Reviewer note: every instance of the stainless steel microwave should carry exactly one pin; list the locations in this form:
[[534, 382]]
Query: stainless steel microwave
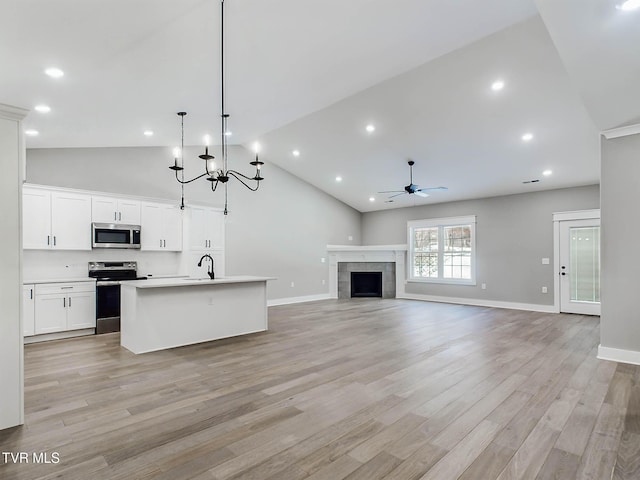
[[114, 235]]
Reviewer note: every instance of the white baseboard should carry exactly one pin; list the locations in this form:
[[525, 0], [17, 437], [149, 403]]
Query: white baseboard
[[59, 335], [619, 355], [532, 307], [303, 299]]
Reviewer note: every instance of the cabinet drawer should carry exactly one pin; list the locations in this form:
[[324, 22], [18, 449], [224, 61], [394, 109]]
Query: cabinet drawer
[[71, 287]]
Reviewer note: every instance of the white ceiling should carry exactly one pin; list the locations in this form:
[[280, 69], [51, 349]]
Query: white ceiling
[[310, 75]]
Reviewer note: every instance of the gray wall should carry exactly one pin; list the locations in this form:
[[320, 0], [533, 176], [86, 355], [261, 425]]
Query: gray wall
[[620, 177], [513, 234], [11, 371], [281, 230]]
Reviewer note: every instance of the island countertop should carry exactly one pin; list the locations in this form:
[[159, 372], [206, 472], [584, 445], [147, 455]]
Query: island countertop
[[187, 282]]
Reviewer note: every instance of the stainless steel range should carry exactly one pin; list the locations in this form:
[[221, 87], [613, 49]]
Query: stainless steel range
[[108, 276]]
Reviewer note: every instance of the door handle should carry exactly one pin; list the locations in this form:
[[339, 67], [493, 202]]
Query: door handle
[[563, 273]]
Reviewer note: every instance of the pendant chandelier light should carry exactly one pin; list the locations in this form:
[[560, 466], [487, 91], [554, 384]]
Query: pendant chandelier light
[[211, 173]]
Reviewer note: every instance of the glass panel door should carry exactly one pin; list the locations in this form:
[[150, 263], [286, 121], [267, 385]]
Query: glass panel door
[[580, 266], [584, 274]]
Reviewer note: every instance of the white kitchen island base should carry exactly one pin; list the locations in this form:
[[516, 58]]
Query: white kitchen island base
[[157, 314]]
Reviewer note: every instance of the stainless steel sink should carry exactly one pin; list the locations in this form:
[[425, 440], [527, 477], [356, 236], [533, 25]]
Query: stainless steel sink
[[201, 279]]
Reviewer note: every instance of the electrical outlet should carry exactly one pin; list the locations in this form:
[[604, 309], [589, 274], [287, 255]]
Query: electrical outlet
[[544, 290], [322, 260], [545, 261], [293, 284], [484, 286], [350, 238], [324, 281]]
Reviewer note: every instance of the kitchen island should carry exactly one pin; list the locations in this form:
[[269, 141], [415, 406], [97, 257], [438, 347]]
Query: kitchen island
[[162, 313]]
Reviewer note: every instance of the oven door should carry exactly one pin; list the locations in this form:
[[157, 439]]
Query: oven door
[[107, 307]]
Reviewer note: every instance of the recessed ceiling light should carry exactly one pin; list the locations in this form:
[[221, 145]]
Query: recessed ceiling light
[[371, 128], [629, 5], [54, 72], [338, 179], [527, 137], [497, 85], [43, 108], [32, 133], [372, 199], [546, 173], [296, 153], [148, 133]]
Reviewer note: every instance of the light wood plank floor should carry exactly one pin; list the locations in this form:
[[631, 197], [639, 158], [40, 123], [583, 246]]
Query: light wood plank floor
[[358, 389]]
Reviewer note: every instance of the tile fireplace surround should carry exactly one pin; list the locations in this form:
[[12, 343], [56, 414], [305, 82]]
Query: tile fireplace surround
[[355, 258]]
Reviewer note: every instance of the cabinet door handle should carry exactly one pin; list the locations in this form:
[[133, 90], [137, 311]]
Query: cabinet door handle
[[119, 215], [165, 243], [65, 288], [115, 216], [64, 302], [48, 239], [54, 240], [69, 301], [160, 243], [31, 294]]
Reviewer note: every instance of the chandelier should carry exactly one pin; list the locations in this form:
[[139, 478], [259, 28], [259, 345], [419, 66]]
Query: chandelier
[[223, 174]]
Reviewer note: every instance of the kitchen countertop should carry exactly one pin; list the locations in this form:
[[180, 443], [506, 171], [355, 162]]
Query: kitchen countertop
[[186, 281], [29, 281]]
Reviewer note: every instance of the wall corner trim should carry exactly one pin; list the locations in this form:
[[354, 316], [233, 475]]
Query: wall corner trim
[[621, 131], [303, 299], [476, 302], [619, 355]]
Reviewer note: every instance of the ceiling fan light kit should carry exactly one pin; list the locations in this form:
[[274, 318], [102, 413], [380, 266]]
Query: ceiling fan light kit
[[411, 189], [212, 174]]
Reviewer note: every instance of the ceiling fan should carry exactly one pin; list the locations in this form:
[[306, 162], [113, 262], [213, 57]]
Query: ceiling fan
[[412, 189]]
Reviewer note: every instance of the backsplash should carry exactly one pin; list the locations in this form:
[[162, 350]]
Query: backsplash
[[46, 264]]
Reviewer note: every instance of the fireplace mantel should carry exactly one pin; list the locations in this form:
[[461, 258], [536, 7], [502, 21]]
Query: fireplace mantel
[[368, 253]]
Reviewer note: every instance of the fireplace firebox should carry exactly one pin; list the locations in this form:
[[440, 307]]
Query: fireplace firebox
[[366, 284]]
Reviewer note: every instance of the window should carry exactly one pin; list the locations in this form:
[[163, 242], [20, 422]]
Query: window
[[442, 250]]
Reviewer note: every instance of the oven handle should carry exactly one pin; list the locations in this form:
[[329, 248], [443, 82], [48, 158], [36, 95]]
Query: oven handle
[[107, 283]]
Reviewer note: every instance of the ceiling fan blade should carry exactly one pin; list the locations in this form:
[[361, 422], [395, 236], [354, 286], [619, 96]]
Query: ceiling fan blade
[[421, 193], [397, 194], [392, 191], [432, 189]]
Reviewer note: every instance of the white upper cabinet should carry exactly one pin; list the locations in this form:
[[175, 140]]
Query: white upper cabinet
[[56, 220], [206, 229], [71, 221], [161, 227], [36, 218], [115, 210]]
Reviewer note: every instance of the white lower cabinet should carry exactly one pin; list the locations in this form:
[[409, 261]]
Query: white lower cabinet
[[64, 306], [28, 310]]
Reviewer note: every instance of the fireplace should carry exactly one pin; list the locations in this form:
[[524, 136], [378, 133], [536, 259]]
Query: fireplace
[[388, 259], [366, 284]]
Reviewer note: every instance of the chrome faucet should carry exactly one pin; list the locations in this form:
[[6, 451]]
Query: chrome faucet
[[210, 272]]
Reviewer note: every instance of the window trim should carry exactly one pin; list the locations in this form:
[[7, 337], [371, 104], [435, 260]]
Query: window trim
[[440, 223]]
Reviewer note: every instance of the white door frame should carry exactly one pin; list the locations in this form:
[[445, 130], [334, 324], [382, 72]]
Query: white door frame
[[557, 218]]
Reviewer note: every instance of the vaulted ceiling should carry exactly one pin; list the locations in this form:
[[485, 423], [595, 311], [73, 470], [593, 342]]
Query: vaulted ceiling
[[310, 76]]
